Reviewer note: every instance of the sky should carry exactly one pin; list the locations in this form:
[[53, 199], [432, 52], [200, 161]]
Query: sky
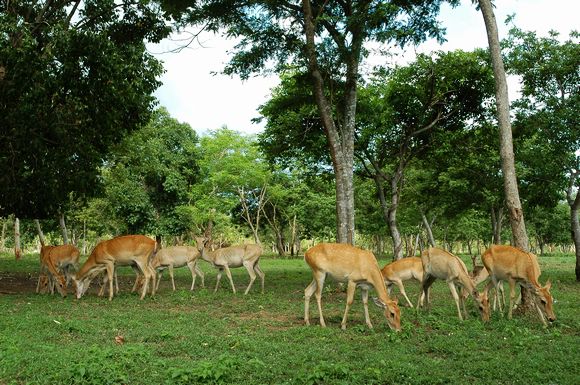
[[192, 93]]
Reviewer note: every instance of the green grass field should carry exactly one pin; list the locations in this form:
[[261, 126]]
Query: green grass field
[[196, 337]]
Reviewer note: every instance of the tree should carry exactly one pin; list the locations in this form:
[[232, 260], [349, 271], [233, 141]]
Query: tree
[[512, 196], [75, 78], [400, 109], [150, 174], [234, 179], [328, 39], [547, 114], [401, 112]]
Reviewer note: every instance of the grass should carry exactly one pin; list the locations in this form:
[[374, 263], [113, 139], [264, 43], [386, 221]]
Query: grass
[[196, 337]]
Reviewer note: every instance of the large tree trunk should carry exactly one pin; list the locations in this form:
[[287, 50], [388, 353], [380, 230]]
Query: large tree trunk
[[512, 195], [574, 202], [41, 237], [496, 224], [506, 142], [340, 138], [390, 215], [17, 250]]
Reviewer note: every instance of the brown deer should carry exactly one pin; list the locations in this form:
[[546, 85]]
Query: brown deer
[[129, 250], [441, 264], [357, 267], [402, 270], [234, 256], [508, 263]]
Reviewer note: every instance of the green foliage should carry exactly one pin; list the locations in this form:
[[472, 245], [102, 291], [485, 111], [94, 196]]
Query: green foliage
[[150, 174], [547, 133], [72, 85]]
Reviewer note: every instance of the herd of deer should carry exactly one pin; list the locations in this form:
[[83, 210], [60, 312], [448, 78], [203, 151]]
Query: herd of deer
[[146, 259], [345, 263]]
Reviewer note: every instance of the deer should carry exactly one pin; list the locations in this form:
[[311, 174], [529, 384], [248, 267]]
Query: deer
[[56, 263], [441, 264], [401, 270], [128, 250], [174, 257], [233, 256], [357, 267], [508, 263]]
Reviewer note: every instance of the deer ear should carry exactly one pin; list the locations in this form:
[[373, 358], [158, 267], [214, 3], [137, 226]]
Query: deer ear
[[548, 285], [379, 303]]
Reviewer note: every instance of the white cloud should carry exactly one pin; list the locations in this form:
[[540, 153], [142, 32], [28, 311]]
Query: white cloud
[[205, 101]]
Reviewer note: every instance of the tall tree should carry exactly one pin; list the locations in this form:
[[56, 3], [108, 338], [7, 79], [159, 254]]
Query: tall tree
[[512, 195], [547, 115], [150, 174], [234, 180], [328, 39], [75, 77], [402, 111]]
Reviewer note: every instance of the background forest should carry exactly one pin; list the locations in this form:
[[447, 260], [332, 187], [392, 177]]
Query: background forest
[[97, 156]]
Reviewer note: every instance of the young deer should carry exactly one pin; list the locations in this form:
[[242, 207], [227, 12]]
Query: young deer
[[514, 265], [357, 267], [402, 270], [174, 257], [441, 264], [234, 256]]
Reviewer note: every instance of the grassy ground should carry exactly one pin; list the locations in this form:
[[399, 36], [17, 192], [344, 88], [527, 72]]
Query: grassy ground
[[195, 337]]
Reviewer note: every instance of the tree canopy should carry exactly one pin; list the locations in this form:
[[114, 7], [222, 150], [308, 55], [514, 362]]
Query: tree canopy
[[75, 78]]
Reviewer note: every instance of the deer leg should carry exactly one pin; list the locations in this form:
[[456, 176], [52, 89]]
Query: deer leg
[[402, 290], [453, 290], [365, 299], [512, 283], [229, 275], [219, 276], [171, 275], [260, 274], [250, 267], [319, 285], [152, 273], [349, 300], [145, 270], [310, 289], [191, 266], [199, 272], [158, 280], [110, 271]]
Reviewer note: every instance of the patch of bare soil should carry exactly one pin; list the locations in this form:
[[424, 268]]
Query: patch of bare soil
[[17, 283]]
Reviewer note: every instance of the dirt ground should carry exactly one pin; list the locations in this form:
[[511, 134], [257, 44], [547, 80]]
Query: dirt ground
[[23, 283], [17, 283]]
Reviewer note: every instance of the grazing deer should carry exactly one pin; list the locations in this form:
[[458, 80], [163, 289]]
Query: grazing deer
[[402, 270], [56, 263], [507, 263], [234, 256], [174, 257], [128, 250], [357, 267], [441, 264], [480, 274]]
